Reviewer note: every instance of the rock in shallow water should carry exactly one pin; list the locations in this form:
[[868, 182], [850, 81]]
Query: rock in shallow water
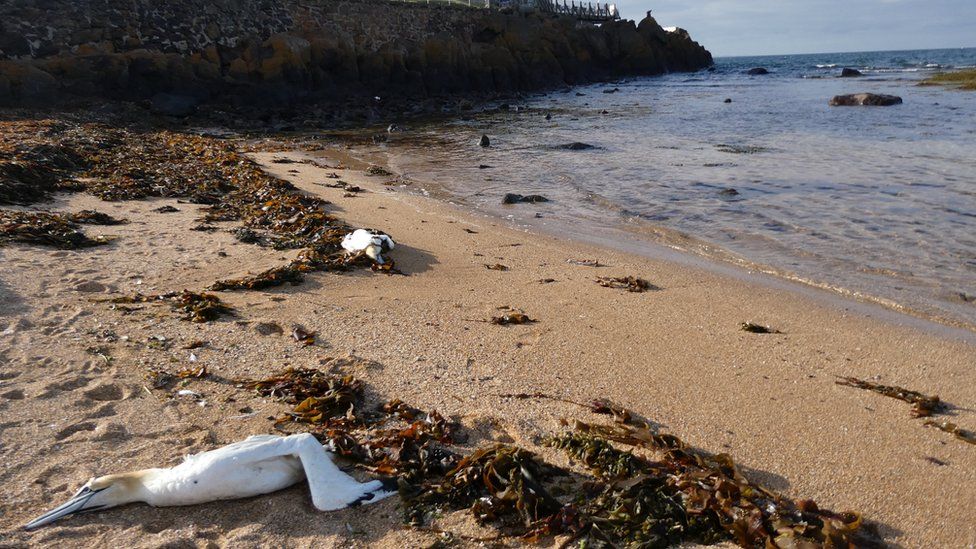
[[757, 71], [850, 73], [484, 142], [512, 198], [865, 99]]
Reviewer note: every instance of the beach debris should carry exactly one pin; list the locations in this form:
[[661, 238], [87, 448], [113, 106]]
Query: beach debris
[[378, 171], [194, 306], [511, 317], [194, 373], [45, 229], [585, 262], [303, 336], [496, 267], [166, 209], [953, 429], [922, 405], [513, 198], [318, 395], [754, 328], [629, 283], [274, 276], [371, 243], [93, 217]]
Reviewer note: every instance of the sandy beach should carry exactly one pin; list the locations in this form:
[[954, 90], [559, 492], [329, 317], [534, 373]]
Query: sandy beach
[[75, 402]]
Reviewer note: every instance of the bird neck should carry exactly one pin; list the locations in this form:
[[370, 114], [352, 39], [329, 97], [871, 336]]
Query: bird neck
[[135, 486]]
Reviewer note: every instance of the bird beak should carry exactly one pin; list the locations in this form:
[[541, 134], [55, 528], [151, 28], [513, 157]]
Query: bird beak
[[74, 505]]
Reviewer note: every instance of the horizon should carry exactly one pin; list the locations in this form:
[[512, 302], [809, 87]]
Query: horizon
[[839, 52], [747, 28]]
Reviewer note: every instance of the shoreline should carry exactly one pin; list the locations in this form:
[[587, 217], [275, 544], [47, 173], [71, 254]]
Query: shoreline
[[675, 355], [657, 242]]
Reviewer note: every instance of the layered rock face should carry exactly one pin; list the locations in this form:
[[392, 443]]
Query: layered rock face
[[268, 51]]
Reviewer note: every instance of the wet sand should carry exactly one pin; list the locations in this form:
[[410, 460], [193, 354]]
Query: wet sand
[[74, 400]]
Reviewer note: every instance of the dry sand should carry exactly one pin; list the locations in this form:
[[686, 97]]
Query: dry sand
[[73, 402]]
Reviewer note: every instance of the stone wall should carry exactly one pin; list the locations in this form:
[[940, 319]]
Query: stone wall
[[281, 50]]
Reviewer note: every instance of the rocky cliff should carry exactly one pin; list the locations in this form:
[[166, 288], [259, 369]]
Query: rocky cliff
[[247, 51]]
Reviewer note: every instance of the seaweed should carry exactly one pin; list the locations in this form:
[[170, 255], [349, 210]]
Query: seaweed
[[193, 306], [275, 276], [378, 171], [585, 262], [629, 283], [44, 229], [496, 267], [92, 217], [319, 396], [922, 405], [953, 429], [753, 328]]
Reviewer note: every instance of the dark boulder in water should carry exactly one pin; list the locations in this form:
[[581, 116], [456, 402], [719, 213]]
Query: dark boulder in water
[[484, 141], [728, 100], [850, 73], [512, 198], [757, 71], [576, 146], [728, 192], [865, 99]]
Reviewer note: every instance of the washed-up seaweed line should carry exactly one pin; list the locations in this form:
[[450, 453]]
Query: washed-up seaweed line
[[658, 493]]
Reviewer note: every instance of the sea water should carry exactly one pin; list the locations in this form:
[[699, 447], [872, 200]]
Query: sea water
[[878, 202]]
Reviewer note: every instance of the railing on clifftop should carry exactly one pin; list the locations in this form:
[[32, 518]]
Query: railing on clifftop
[[594, 12]]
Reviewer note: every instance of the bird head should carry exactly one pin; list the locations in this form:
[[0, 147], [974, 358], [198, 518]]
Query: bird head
[[98, 493]]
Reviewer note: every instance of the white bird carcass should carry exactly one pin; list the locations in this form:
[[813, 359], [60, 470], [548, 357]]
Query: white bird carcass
[[257, 465], [372, 243]]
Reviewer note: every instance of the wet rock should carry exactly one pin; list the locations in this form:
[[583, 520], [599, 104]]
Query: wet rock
[[576, 146], [512, 198], [757, 71], [728, 100], [865, 99], [484, 141], [728, 192], [168, 104], [548, 116], [850, 73], [611, 90]]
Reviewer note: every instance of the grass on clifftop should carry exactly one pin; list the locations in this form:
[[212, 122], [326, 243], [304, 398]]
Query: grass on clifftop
[[963, 80]]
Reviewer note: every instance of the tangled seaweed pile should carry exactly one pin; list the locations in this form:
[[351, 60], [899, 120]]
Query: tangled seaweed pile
[[51, 229], [114, 163], [658, 493], [629, 283]]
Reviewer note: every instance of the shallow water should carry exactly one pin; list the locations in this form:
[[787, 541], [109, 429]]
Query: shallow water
[[875, 202]]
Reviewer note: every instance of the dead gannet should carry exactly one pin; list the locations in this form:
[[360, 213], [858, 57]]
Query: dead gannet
[[257, 465], [369, 242]]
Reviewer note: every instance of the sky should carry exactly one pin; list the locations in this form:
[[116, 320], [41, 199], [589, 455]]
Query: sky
[[772, 27]]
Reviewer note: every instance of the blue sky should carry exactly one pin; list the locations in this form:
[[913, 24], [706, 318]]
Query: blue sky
[[756, 27]]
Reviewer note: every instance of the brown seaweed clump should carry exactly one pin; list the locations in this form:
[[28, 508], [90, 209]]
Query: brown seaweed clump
[[45, 229], [754, 328]]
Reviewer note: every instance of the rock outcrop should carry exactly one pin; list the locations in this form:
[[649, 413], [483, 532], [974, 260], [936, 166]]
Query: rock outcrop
[[850, 73], [865, 99], [757, 71], [278, 51]]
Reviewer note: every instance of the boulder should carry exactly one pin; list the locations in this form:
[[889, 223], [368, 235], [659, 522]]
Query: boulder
[[512, 198], [168, 104], [865, 99], [850, 73], [484, 141], [757, 71]]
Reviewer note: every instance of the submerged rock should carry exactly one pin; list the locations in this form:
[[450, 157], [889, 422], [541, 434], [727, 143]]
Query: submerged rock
[[575, 146], [757, 71], [512, 198], [865, 99], [850, 73]]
